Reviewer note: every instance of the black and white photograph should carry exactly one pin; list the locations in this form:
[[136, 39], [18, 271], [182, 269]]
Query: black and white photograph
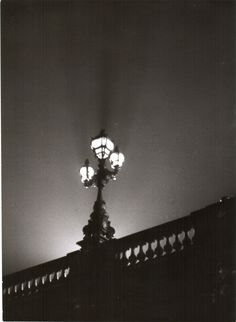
[[118, 122]]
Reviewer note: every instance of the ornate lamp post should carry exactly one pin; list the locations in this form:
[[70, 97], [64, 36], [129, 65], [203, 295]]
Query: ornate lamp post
[[98, 229]]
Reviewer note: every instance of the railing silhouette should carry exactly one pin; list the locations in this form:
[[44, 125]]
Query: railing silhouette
[[32, 280], [207, 235], [155, 243], [150, 244]]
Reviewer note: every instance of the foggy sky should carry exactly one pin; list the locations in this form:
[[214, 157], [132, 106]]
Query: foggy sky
[[157, 75]]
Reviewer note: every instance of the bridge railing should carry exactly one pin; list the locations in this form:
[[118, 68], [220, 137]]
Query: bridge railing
[[31, 280], [214, 224]]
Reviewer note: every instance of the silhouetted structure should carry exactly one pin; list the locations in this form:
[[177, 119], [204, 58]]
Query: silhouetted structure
[[98, 230], [183, 270]]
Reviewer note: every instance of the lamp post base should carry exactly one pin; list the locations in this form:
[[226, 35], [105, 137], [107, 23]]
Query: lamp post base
[[88, 244], [98, 230]]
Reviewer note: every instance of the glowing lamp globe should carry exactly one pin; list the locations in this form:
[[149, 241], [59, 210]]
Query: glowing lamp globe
[[86, 172], [102, 146], [117, 159]]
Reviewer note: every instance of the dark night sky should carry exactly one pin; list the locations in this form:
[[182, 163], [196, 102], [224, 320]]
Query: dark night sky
[[158, 75]]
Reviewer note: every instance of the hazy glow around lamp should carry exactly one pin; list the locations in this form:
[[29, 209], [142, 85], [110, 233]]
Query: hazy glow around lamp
[[117, 158], [102, 146], [86, 172]]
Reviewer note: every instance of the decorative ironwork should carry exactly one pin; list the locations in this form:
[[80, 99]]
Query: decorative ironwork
[[99, 227]]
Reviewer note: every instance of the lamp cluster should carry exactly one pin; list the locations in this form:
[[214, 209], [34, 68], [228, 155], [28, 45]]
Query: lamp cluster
[[103, 149], [99, 229]]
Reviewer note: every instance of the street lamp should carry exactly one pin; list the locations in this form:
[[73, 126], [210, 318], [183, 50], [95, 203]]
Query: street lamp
[[98, 229]]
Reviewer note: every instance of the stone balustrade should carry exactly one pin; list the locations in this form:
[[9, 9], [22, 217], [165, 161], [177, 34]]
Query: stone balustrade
[[156, 243], [69, 287], [32, 280]]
